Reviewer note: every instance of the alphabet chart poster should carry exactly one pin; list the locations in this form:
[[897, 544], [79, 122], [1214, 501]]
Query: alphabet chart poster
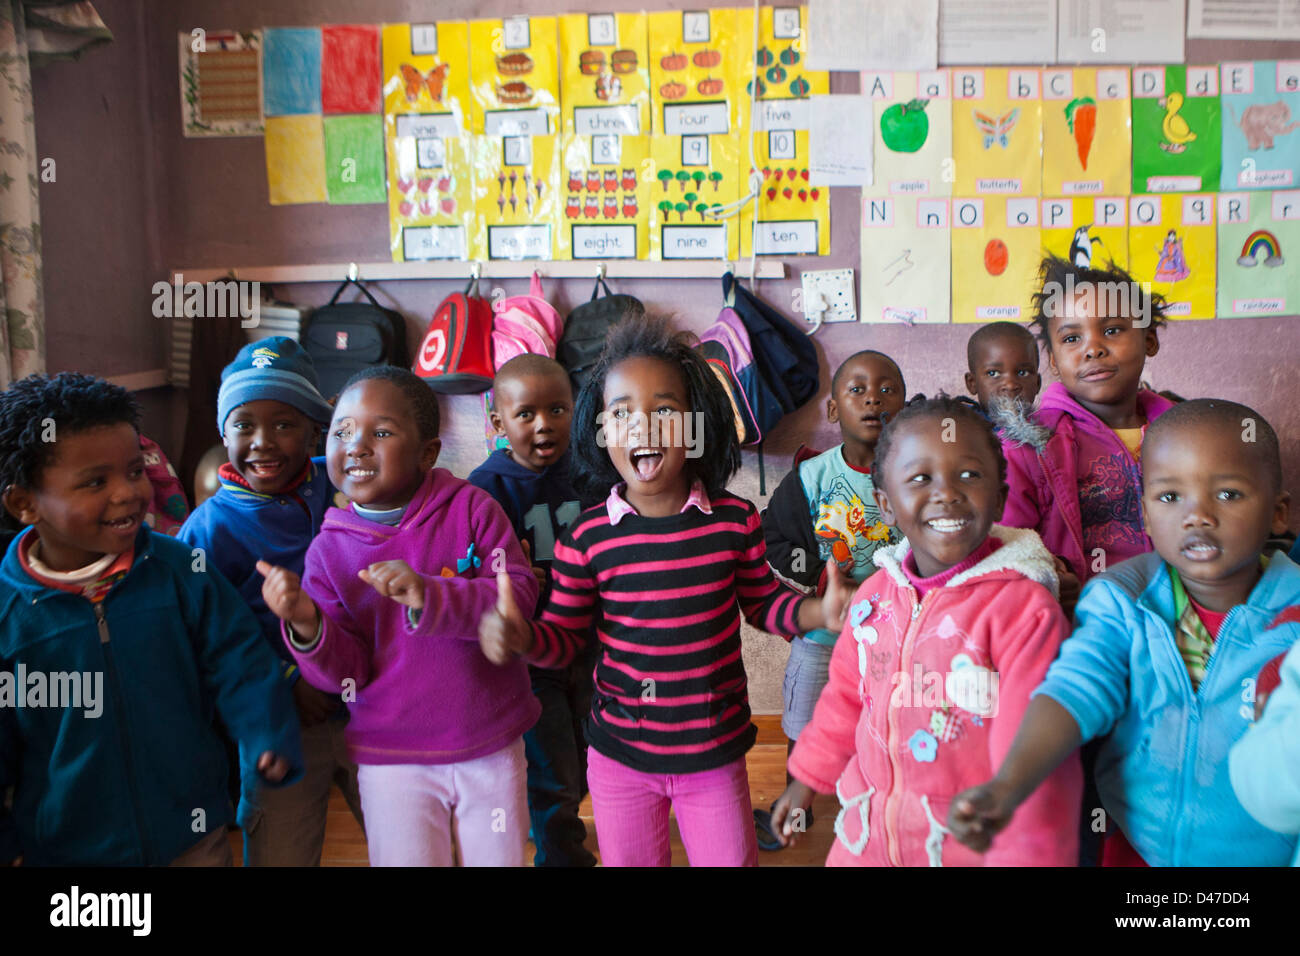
[[1259, 253], [515, 88], [995, 254], [426, 123], [913, 151], [1261, 125], [794, 216], [906, 259], [1171, 244], [605, 177], [997, 131], [695, 59], [1175, 128], [1086, 144], [1087, 230]]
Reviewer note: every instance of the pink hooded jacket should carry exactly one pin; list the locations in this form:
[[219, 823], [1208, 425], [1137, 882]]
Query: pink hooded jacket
[[924, 701]]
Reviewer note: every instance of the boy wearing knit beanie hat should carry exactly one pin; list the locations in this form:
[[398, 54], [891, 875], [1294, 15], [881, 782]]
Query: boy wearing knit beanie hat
[[270, 504]]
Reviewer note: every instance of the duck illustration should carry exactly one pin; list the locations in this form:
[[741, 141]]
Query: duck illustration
[[1174, 127]]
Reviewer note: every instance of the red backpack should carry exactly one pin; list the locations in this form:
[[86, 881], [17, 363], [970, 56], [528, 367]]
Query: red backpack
[[455, 356]]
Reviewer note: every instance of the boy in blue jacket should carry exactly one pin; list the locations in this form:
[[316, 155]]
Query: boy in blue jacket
[[532, 404], [117, 650], [1164, 654], [269, 506]]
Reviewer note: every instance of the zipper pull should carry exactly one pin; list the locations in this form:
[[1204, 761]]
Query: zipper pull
[[101, 622], [916, 610]]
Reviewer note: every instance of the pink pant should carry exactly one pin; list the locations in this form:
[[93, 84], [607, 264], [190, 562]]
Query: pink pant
[[631, 808]]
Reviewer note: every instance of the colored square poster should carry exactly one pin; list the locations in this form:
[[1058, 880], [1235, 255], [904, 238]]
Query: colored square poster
[[695, 66], [1171, 244], [515, 93], [295, 159], [1259, 253], [605, 176], [906, 259], [349, 69], [426, 123], [1087, 147], [913, 141], [1175, 128], [995, 255], [1087, 230], [794, 217], [354, 159], [997, 131], [291, 73], [1261, 125]]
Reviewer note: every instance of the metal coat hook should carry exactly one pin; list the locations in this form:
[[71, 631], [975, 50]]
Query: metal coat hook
[[476, 270], [354, 271], [600, 271]]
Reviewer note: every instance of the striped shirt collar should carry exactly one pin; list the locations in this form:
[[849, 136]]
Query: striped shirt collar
[[618, 507]]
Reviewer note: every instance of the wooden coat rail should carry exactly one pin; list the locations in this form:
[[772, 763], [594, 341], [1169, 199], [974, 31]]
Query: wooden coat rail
[[495, 269]]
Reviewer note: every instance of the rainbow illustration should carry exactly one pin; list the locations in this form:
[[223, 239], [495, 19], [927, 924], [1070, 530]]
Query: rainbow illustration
[[1257, 240]]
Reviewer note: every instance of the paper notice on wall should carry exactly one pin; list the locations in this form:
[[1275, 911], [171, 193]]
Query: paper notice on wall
[[1244, 19], [840, 137], [906, 259], [997, 31], [1120, 31], [884, 35]]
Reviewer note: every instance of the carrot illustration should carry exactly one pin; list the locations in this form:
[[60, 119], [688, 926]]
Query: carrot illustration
[[1081, 116]]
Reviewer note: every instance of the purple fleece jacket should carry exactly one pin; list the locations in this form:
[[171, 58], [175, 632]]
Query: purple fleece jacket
[[424, 694], [1043, 480]]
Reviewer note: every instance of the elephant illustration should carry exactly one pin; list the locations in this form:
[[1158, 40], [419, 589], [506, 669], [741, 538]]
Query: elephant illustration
[[1264, 121]]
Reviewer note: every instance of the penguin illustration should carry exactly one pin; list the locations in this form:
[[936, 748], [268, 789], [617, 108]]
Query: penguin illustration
[[1081, 247]]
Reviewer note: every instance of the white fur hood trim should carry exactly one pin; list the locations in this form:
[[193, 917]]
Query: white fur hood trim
[[1022, 551]]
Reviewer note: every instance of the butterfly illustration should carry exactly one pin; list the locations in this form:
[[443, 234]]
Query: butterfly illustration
[[434, 80], [996, 129]]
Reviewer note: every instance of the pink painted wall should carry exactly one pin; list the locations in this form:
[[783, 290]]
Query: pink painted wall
[[134, 198]]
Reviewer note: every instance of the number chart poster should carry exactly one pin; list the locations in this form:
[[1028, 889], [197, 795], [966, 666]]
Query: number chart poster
[[913, 141], [996, 249], [426, 117], [906, 259], [1176, 131], [793, 215], [997, 131], [1261, 125], [1171, 243], [1087, 149], [695, 64], [515, 91], [1259, 253], [605, 179], [1087, 230]]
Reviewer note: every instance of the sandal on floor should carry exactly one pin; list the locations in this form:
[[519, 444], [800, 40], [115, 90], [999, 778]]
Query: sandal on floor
[[763, 828]]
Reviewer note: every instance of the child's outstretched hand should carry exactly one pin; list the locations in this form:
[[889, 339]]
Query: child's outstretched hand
[[504, 631], [839, 593], [977, 815], [282, 591], [272, 766], [397, 580], [796, 798]]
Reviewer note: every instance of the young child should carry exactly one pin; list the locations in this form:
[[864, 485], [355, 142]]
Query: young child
[[269, 506], [661, 568], [1002, 359], [386, 613], [935, 666], [112, 754], [1163, 654], [825, 510], [532, 408]]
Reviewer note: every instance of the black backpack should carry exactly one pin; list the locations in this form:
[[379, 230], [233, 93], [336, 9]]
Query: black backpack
[[342, 338], [585, 328], [784, 354]]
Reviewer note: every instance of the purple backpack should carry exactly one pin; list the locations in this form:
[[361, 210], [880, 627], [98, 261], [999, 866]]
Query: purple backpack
[[726, 347]]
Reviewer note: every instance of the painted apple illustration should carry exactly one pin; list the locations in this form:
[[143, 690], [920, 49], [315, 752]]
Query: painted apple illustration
[[426, 183], [406, 207], [995, 257], [447, 205], [444, 184], [904, 126]]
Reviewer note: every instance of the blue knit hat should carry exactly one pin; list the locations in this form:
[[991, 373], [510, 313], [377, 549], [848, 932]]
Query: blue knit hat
[[275, 368]]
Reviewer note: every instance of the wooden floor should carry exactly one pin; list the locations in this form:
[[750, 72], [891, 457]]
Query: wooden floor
[[345, 843]]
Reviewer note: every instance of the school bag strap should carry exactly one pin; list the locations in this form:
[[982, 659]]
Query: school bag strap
[[364, 291]]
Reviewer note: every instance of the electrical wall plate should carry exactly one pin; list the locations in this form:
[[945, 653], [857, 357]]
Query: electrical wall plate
[[835, 288]]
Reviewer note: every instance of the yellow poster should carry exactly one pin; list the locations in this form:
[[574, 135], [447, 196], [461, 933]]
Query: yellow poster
[[695, 69], [996, 250], [1172, 243], [997, 131], [295, 159], [515, 94], [913, 134], [1087, 145], [606, 178], [794, 217], [426, 130], [1087, 230]]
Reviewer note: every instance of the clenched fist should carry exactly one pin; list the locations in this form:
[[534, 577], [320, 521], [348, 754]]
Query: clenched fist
[[282, 591]]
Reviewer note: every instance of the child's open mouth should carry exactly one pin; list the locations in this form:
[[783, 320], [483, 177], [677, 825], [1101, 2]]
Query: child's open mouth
[[544, 449], [123, 525], [265, 470], [647, 462], [1200, 549], [948, 525], [357, 474]]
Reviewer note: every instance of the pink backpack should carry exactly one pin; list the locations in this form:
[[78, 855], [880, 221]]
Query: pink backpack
[[524, 324]]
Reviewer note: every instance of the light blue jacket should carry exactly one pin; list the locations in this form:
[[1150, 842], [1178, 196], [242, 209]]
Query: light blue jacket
[[1265, 763], [1163, 772]]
